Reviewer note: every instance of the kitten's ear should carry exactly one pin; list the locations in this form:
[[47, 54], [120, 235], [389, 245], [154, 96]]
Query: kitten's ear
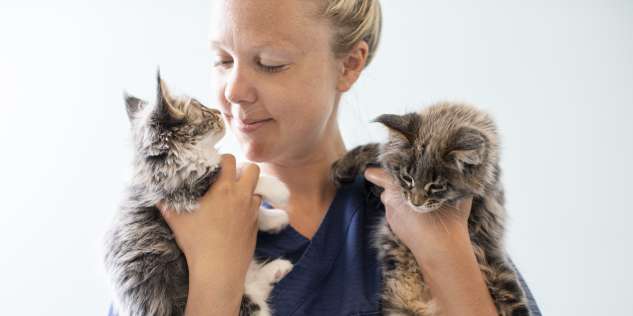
[[467, 148], [133, 105], [165, 109], [406, 125]]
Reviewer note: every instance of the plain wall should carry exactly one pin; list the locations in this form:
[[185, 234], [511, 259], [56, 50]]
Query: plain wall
[[557, 76]]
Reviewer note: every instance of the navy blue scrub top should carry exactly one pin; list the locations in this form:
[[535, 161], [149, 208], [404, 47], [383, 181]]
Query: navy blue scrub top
[[336, 272]]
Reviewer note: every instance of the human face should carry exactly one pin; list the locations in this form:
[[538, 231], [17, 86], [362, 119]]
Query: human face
[[275, 77]]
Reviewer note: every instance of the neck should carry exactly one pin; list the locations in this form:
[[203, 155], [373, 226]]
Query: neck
[[308, 180], [308, 175]]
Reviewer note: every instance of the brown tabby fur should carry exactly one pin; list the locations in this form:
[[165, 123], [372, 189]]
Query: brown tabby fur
[[439, 155]]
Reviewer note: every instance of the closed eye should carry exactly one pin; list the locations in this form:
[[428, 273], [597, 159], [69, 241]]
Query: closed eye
[[266, 68], [222, 63], [271, 68]]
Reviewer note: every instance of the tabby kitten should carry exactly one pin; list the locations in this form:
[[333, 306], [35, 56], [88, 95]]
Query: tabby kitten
[[175, 162], [439, 155]]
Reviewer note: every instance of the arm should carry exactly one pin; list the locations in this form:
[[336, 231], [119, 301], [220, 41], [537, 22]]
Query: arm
[[213, 293], [453, 275], [532, 305], [218, 240]]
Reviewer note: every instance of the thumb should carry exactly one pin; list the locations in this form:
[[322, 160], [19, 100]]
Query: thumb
[[464, 205], [256, 201], [379, 177]]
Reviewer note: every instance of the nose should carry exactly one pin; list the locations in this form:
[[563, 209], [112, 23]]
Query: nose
[[417, 199], [239, 88]]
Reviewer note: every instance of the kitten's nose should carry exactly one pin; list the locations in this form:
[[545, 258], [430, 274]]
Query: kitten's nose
[[417, 199]]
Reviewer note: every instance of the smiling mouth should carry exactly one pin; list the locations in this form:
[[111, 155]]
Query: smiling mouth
[[251, 122], [248, 125], [245, 121]]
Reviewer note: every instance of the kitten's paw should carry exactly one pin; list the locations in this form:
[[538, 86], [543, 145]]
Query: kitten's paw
[[272, 220], [273, 191], [342, 172], [278, 269]]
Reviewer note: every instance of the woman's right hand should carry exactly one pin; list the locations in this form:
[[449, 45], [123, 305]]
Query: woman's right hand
[[218, 238]]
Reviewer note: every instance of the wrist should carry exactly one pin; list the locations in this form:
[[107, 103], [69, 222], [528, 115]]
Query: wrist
[[438, 249], [455, 278], [227, 279], [213, 292]]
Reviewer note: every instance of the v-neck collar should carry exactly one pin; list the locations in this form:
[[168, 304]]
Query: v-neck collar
[[321, 251]]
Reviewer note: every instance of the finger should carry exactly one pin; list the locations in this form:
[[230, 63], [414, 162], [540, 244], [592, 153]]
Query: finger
[[379, 177], [240, 168], [250, 176], [391, 198], [227, 165], [383, 197], [464, 204], [256, 201]]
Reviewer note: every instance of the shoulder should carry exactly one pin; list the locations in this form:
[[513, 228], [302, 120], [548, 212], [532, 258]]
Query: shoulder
[[532, 305]]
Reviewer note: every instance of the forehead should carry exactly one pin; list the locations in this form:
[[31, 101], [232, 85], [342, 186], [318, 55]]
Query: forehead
[[259, 23]]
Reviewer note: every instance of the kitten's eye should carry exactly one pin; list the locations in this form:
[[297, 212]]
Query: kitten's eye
[[408, 180]]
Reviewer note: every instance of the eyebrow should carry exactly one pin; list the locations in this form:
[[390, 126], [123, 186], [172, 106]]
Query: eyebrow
[[285, 44]]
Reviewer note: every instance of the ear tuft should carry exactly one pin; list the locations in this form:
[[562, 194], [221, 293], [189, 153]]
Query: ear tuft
[[165, 109]]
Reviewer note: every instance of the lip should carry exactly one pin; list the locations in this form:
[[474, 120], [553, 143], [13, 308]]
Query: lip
[[248, 125]]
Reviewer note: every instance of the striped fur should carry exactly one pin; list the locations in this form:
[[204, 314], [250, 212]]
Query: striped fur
[[439, 155], [175, 162]]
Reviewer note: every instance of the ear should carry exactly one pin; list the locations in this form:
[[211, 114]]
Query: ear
[[352, 64], [407, 124], [467, 148], [133, 105], [165, 110]]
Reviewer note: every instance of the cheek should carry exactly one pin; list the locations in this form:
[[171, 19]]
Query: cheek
[[301, 107], [307, 117]]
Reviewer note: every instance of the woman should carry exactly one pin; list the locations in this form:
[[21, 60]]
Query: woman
[[281, 68]]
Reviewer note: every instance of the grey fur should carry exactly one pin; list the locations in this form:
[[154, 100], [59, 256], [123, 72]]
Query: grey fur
[[439, 155], [174, 162]]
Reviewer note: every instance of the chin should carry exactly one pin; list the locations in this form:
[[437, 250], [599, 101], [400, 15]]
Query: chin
[[256, 152]]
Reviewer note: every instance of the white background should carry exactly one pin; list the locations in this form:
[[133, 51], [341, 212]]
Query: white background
[[557, 75]]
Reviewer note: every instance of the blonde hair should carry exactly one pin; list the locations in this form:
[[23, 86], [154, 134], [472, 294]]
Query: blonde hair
[[353, 21]]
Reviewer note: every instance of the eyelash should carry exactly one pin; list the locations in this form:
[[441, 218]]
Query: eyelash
[[266, 68]]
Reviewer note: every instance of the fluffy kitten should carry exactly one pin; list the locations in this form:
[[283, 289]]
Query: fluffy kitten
[[437, 156], [175, 161]]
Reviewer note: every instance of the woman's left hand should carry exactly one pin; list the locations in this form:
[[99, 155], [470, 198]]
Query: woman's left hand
[[441, 244], [427, 235]]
